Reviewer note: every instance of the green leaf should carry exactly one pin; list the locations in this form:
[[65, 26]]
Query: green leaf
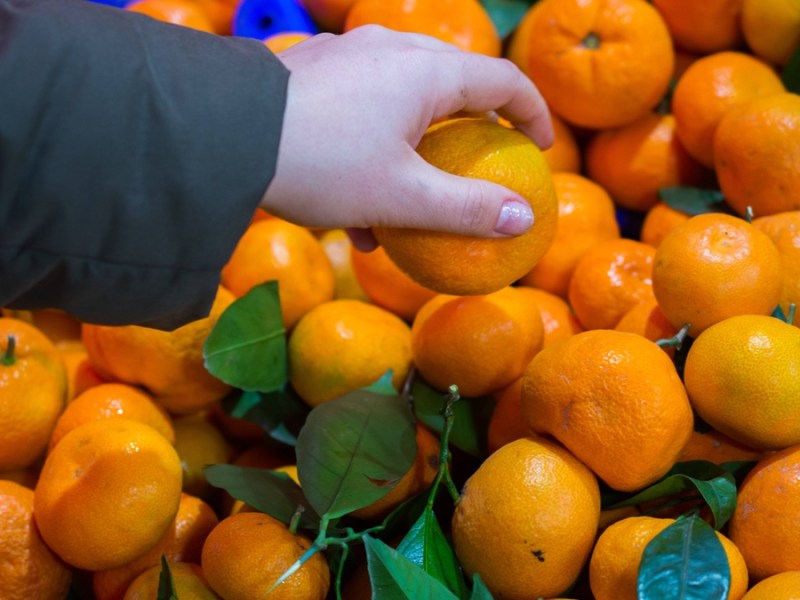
[[791, 73], [247, 346], [479, 589], [506, 14], [715, 484], [166, 587], [394, 577], [352, 450], [280, 414], [472, 417], [426, 546], [384, 385], [686, 561], [271, 492], [693, 201]]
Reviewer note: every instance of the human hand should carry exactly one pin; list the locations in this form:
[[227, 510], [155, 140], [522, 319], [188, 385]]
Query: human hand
[[358, 105]]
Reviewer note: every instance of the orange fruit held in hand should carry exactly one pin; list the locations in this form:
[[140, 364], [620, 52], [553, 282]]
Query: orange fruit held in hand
[[479, 343], [614, 566], [715, 266], [766, 522], [659, 221], [274, 249], [610, 278], [111, 401], [784, 231], [781, 586], [107, 493], [246, 554], [709, 88], [179, 12], [33, 388], [168, 364], [188, 579], [28, 568], [557, 316], [585, 217], [634, 161], [757, 155], [463, 23], [703, 27], [615, 400], [344, 345], [531, 509], [456, 264], [416, 480], [771, 28], [741, 376], [587, 56], [182, 542], [387, 285]]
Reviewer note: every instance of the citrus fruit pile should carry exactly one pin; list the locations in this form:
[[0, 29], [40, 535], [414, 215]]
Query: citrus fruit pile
[[606, 407]]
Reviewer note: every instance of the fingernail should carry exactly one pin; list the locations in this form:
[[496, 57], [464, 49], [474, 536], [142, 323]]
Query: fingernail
[[515, 218]]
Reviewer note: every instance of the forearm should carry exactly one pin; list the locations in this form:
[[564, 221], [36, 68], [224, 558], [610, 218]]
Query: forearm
[[132, 154]]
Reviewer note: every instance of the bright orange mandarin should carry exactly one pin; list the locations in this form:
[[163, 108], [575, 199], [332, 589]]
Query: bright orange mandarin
[[339, 248], [741, 376], [274, 249], [781, 586], [80, 373], [416, 480], [179, 12], [246, 553], [33, 388], [531, 509], [107, 493], [565, 154], [479, 343], [614, 566], [557, 316], [181, 543], [587, 56], [757, 155], [507, 422], [615, 400], [709, 88], [784, 231], [57, 325], [188, 579], [659, 221], [647, 319], [612, 277], [464, 23], [199, 443], [111, 401], [703, 27], [718, 448], [387, 285], [168, 364], [715, 266], [456, 264], [771, 28], [284, 40], [343, 345], [634, 161], [766, 523], [28, 568], [328, 14], [585, 217]]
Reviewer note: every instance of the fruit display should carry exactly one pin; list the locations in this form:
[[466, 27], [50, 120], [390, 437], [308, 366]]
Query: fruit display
[[606, 407]]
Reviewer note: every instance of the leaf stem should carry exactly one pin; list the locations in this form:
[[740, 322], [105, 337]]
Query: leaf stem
[[676, 341], [295, 521], [8, 358], [791, 312], [444, 457]]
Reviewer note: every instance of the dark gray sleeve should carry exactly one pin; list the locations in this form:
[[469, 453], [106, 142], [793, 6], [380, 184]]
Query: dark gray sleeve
[[132, 156]]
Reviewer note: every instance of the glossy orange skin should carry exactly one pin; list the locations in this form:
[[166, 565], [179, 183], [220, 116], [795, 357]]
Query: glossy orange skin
[[703, 27], [648, 320], [615, 400], [659, 221], [463, 23]]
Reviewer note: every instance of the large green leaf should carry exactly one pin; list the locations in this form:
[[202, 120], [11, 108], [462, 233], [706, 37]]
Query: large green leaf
[[426, 546], [395, 577], [247, 346], [791, 73], [716, 485], [271, 492], [471, 417], [686, 561], [280, 414], [352, 450]]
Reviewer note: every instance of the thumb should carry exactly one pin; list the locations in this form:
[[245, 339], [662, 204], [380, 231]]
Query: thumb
[[468, 206]]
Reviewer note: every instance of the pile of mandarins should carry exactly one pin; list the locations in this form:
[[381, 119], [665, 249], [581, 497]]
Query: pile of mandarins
[[626, 333]]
